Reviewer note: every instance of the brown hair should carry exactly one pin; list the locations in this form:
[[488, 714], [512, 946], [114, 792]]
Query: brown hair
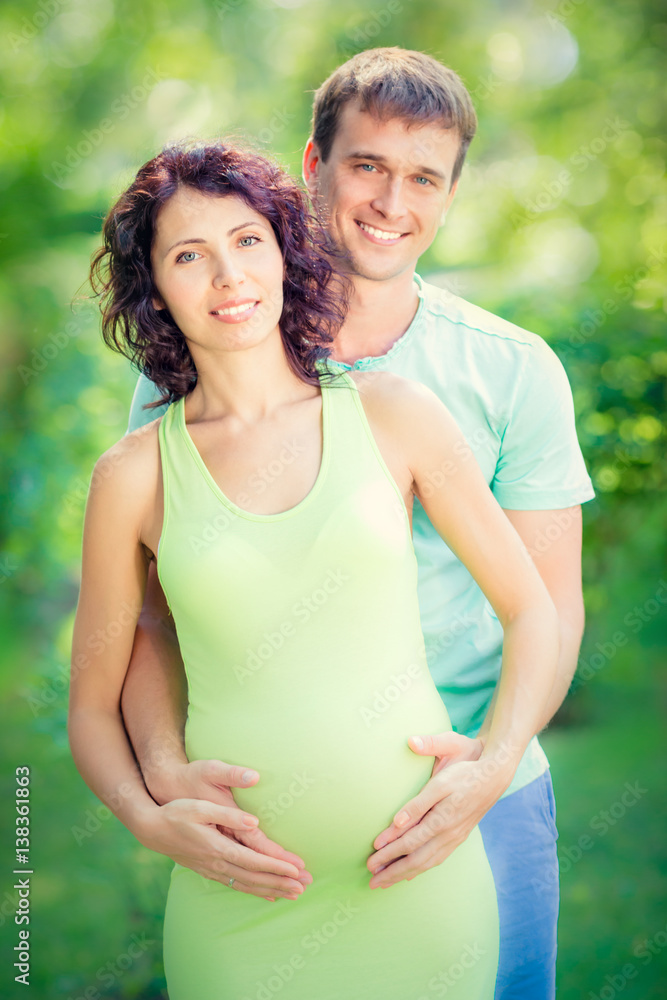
[[315, 298], [395, 83]]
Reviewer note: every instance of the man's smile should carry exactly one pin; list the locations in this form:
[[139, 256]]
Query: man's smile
[[379, 235]]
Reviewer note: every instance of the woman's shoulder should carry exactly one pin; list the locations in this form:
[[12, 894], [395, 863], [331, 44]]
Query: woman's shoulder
[[394, 398]]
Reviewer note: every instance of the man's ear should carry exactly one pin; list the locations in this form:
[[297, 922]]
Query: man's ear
[[311, 159], [450, 199]]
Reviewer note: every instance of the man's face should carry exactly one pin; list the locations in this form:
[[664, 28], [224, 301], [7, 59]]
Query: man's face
[[384, 191]]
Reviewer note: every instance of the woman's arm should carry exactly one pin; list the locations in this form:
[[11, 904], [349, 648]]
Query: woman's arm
[[468, 518], [420, 438], [120, 521], [112, 588]]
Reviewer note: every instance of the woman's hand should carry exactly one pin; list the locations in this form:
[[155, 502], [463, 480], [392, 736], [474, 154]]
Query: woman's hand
[[211, 840], [462, 788]]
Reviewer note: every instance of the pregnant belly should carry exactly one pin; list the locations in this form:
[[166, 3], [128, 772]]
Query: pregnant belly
[[333, 769]]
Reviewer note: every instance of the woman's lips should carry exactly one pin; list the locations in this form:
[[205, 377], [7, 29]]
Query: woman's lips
[[235, 312]]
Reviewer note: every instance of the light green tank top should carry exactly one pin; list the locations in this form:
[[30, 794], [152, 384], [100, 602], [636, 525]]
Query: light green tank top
[[301, 638]]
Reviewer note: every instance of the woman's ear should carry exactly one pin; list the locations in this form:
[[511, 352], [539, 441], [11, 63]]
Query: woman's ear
[[157, 303]]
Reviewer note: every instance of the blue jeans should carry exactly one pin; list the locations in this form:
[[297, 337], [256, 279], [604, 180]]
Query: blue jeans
[[519, 835]]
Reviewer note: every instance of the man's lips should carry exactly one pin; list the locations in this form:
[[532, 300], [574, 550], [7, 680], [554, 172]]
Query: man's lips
[[235, 310], [381, 237]]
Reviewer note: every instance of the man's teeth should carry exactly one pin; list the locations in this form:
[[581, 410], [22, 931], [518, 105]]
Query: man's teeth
[[379, 233], [234, 310]]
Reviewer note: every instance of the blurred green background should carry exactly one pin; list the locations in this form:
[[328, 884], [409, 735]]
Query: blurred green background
[[558, 226]]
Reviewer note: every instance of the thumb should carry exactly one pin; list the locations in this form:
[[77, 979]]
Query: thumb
[[452, 746], [217, 772]]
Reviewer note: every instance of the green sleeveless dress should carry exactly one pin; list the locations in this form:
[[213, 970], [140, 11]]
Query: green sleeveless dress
[[301, 639]]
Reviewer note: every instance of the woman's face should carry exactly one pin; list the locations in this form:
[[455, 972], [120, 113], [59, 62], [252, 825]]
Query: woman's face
[[218, 269]]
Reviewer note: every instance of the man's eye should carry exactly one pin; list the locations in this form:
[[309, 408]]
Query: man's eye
[[367, 167], [425, 181], [244, 241], [187, 256]]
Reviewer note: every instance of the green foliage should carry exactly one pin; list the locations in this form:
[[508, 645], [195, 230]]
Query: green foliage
[[558, 226]]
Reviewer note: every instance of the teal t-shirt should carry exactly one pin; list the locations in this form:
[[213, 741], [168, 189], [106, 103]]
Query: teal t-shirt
[[510, 395]]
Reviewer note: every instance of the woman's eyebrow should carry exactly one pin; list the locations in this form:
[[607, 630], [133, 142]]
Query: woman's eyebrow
[[179, 243], [196, 239]]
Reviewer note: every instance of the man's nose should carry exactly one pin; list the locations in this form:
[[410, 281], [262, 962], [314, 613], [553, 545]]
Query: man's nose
[[389, 201]]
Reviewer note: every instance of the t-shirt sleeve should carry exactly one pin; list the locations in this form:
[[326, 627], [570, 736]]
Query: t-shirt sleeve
[[145, 392], [540, 465]]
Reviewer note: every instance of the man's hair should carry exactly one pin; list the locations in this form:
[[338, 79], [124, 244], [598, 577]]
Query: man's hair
[[395, 83], [314, 303]]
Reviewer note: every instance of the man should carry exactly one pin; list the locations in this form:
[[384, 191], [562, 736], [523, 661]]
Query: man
[[390, 133]]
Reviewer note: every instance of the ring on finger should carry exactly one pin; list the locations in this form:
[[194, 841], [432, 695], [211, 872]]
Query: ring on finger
[[231, 882]]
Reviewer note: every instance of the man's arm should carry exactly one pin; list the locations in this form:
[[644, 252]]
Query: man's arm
[[553, 539], [154, 697]]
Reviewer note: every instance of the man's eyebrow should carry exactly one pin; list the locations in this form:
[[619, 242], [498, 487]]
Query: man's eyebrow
[[377, 158], [197, 239]]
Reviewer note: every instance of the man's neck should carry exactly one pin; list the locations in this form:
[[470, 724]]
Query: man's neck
[[380, 313]]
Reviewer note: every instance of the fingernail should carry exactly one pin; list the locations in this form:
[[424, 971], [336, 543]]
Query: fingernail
[[305, 879], [418, 742], [250, 820], [248, 776], [402, 819]]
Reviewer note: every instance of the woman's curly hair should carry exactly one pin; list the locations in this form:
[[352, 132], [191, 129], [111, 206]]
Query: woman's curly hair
[[314, 304]]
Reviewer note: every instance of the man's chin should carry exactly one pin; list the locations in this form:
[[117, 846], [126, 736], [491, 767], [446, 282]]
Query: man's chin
[[358, 269]]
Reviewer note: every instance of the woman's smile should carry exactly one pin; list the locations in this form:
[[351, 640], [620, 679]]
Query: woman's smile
[[216, 258], [235, 310]]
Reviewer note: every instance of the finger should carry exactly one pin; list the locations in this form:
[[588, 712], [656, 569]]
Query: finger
[[252, 861], [432, 853], [434, 824], [409, 867], [217, 772], [273, 884], [262, 892], [211, 813], [258, 840], [412, 812], [389, 854], [450, 746], [284, 889]]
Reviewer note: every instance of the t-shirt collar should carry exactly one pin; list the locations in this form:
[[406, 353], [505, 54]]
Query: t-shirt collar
[[395, 349]]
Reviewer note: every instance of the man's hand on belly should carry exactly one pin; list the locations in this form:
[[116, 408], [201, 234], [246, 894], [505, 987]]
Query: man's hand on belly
[[429, 827]]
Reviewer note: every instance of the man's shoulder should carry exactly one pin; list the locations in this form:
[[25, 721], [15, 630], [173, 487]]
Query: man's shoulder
[[131, 453], [463, 318]]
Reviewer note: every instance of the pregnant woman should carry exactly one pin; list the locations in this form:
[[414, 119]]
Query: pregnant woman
[[276, 499]]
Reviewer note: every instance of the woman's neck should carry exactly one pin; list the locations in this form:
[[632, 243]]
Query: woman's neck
[[247, 384]]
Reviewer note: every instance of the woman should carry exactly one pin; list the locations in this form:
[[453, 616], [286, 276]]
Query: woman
[[277, 502]]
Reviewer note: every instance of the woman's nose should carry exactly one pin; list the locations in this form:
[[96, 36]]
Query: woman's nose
[[228, 274]]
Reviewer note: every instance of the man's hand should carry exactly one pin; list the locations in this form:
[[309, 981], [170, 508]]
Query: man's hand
[[462, 788], [209, 782]]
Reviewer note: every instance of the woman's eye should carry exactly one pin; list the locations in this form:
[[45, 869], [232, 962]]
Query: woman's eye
[[186, 256], [245, 241]]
